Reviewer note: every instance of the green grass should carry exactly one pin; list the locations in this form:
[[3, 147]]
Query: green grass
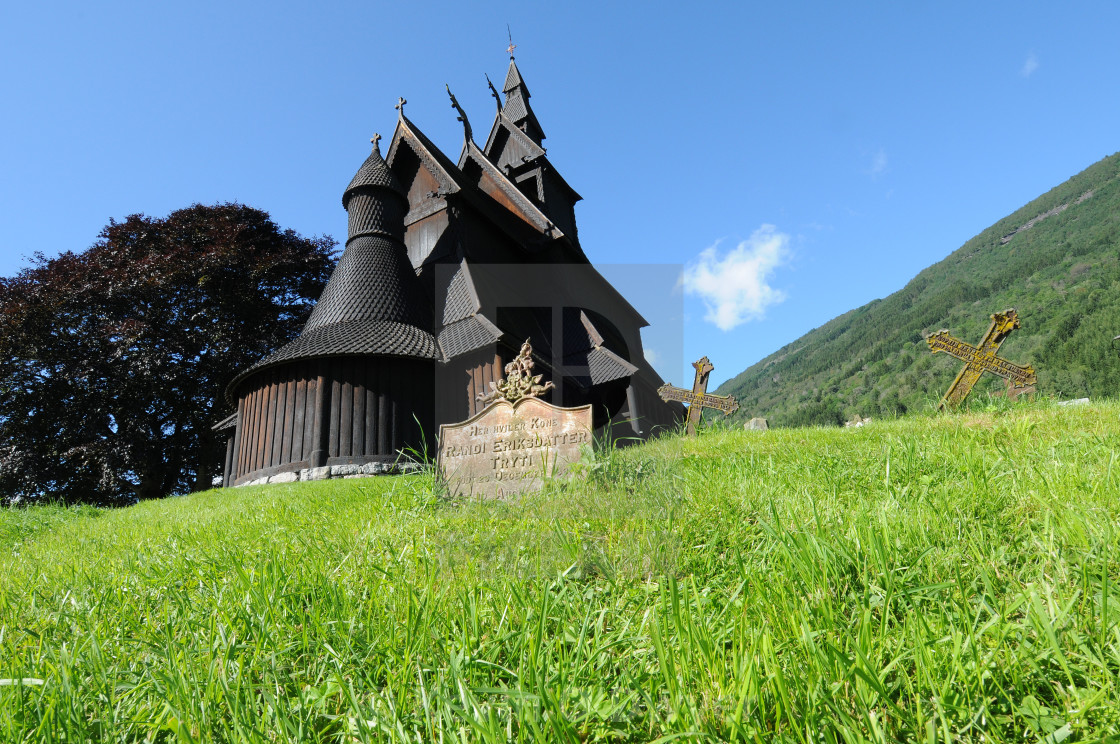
[[929, 579]]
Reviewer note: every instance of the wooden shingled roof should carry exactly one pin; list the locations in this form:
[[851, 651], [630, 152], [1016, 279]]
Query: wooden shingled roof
[[374, 303]]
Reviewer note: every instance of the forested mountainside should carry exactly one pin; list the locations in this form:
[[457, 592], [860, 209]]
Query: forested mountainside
[[1056, 260]]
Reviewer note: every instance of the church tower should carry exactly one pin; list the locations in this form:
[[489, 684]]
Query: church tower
[[515, 145], [355, 387]]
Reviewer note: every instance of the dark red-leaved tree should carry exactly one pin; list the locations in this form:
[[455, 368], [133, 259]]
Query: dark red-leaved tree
[[113, 361]]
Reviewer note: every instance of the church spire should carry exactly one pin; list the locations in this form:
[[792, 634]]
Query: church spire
[[374, 288], [517, 107]]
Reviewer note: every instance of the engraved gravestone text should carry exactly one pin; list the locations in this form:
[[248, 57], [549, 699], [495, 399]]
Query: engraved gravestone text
[[509, 448]]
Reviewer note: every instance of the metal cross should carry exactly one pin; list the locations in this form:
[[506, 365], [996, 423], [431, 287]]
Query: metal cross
[[981, 359], [699, 399], [400, 105], [512, 46], [375, 140]]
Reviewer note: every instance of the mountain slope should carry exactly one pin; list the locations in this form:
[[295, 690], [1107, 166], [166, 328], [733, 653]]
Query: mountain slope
[[1056, 260]]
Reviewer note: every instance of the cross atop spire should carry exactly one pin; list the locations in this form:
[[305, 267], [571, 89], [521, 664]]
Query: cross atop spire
[[376, 141], [511, 46], [400, 106]]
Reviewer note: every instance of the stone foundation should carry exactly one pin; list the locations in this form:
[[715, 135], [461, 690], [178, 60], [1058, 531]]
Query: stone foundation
[[368, 470]]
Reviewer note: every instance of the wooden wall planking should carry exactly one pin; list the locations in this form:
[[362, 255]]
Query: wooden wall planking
[[289, 416], [273, 433], [255, 442], [298, 417], [259, 454], [358, 420], [237, 435], [333, 400], [382, 411], [244, 430], [276, 422], [320, 425], [395, 424], [308, 411], [346, 410], [370, 436], [487, 368], [258, 424], [422, 236], [367, 410], [262, 429], [270, 418]]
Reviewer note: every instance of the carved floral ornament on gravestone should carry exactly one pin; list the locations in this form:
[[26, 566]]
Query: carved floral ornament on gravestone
[[514, 444]]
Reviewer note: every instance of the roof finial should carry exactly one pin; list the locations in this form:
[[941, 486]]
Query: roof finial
[[462, 114], [400, 106], [494, 92], [376, 140], [512, 46]]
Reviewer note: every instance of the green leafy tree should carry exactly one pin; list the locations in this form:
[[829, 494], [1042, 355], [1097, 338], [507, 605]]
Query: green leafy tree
[[113, 361]]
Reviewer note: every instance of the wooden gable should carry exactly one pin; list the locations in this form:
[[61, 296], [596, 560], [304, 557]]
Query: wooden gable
[[508, 147], [428, 178]]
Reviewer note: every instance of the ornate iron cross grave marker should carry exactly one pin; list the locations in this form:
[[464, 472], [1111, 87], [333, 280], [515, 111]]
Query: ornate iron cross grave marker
[[982, 358], [699, 399]]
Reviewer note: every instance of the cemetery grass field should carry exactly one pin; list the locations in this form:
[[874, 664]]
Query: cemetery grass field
[[926, 579]]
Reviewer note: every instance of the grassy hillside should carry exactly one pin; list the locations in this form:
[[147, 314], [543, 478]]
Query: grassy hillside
[[1056, 260], [930, 579]]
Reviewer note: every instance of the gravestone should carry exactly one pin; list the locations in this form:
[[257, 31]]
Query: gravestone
[[698, 398], [515, 443], [982, 358]]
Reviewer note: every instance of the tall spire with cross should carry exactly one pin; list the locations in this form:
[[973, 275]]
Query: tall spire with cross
[[517, 107], [515, 145]]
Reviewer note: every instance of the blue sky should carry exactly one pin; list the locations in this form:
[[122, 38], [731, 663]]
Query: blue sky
[[796, 160]]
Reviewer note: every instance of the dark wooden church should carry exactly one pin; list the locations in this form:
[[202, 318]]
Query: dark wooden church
[[448, 268]]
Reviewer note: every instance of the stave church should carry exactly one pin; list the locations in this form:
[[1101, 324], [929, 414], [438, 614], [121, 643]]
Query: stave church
[[448, 268]]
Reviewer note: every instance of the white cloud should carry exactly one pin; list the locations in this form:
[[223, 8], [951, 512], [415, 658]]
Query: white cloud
[[1030, 65], [878, 163], [735, 287], [651, 356]]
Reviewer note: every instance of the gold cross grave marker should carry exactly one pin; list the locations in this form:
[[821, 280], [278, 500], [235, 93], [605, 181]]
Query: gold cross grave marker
[[699, 399], [981, 359]]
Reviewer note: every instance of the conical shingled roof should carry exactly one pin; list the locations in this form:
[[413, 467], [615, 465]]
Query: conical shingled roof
[[513, 79], [374, 281], [373, 303], [517, 107], [374, 172]]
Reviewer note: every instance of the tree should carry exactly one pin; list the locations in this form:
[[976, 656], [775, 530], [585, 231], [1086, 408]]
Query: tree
[[114, 361]]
